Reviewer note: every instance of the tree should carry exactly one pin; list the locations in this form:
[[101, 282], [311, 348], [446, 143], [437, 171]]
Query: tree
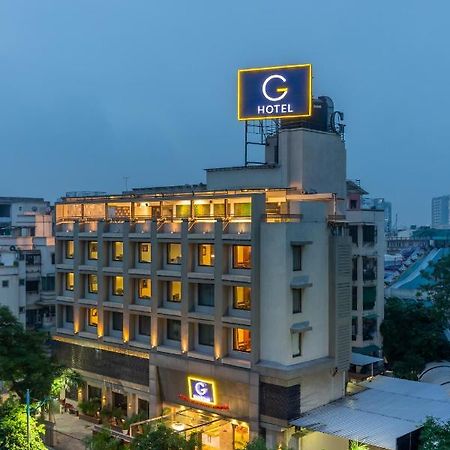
[[163, 438], [435, 435], [412, 337], [355, 445], [67, 380], [103, 441], [24, 360], [13, 428], [260, 444]]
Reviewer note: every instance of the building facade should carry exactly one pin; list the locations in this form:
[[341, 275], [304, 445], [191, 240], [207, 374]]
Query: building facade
[[367, 231], [27, 270], [440, 212], [231, 299]]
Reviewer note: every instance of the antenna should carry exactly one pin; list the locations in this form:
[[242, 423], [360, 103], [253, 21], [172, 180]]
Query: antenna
[[126, 183]]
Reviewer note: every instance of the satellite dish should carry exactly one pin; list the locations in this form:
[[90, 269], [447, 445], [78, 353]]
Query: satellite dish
[[12, 248]]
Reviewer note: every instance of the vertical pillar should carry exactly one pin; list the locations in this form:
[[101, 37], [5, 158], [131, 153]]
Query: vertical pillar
[[185, 298], [155, 405], [128, 256], [102, 294], [220, 348], [155, 265], [78, 287]]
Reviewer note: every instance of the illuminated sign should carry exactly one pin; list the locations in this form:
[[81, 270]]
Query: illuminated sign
[[275, 92], [201, 391]]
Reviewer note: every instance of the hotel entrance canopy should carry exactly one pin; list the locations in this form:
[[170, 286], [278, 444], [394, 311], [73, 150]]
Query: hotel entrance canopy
[[388, 414]]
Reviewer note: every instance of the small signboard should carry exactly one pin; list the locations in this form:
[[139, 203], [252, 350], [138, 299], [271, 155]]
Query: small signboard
[[201, 391], [275, 92]]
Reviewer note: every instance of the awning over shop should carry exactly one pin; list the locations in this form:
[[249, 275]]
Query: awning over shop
[[389, 409], [359, 359]]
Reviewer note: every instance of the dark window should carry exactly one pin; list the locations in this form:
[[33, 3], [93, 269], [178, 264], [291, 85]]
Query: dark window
[[354, 298], [33, 260], [69, 314], [5, 210], [369, 234], [354, 328], [206, 334], [21, 282], [296, 301], [5, 283], [173, 330], [353, 233], [206, 294], [355, 268], [369, 297], [144, 325], [32, 286], [53, 258], [369, 268], [298, 345], [48, 283], [94, 393], [143, 408], [353, 204], [117, 321], [296, 257], [369, 328]]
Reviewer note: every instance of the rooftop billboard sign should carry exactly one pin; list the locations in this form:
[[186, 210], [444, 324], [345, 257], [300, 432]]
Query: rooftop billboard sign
[[275, 92]]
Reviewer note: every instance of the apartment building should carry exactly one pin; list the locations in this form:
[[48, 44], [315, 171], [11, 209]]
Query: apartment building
[[440, 212], [27, 270], [366, 229], [229, 300]]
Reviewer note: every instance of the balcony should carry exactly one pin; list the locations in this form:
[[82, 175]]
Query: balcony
[[64, 229], [88, 230]]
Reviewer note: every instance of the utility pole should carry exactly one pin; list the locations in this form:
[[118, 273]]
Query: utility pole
[[28, 418]]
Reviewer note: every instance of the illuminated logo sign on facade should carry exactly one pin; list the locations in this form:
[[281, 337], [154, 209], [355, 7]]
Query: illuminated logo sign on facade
[[201, 391], [275, 92]]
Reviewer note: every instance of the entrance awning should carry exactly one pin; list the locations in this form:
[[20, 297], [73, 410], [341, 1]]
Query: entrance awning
[[358, 359]]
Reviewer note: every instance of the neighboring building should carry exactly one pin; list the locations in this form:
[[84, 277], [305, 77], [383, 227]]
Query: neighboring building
[[27, 271], [440, 212], [229, 298], [380, 204], [366, 228]]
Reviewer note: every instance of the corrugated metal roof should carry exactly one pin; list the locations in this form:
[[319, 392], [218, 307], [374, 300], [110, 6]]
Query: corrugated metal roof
[[387, 410], [358, 359]]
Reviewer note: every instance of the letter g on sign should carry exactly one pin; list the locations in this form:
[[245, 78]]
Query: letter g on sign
[[282, 89]]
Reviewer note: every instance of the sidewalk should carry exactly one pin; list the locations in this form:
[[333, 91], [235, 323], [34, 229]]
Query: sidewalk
[[70, 432]]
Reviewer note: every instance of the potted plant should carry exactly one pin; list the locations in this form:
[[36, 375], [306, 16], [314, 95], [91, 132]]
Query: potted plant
[[90, 410]]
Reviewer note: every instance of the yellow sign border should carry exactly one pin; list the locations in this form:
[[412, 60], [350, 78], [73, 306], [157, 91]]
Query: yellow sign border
[[259, 69]]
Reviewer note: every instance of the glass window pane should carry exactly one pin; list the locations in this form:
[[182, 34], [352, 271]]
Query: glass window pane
[[117, 287], [145, 288], [144, 325], [93, 283], [243, 209], [296, 301], [70, 247], [206, 294], [93, 317], [202, 210], [173, 253], [69, 314], [219, 209], [117, 251], [296, 257], [183, 211], [117, 321], [241, 297], [92, 250], [173, 330], [145, 252], [241, 340], [206, 255], [206, 334], [174, 294], [70, 280], [242, 255]]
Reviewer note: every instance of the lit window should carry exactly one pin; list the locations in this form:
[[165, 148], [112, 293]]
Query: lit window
[[117, 285], [242, 209], [93, 317], [241, 340], [70, 248], [145, 288], [93, 283], [144, 325], [296, 301], [117, 251], [183, 211], [206, 334], [173, 330], [202, 210], [242, 255], [174, 294], [145, 252], [296, 257], [206, 255], [70, 281], [117, 321], [92, 250], [206, 294], [241, 297], [173, 253]]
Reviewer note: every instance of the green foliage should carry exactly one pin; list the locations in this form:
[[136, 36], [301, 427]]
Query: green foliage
[[260, 444], [24, 361], [412, 337], [134, 419], [13, 428], [163, 438], [435, 435], [67, 380], [354, 445], [103, 441], [90, 407]]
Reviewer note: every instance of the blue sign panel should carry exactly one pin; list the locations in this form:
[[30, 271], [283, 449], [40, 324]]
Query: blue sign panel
[[201, 391], [275, 92]]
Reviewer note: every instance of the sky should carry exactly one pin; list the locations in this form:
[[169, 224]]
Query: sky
[[92, 91]]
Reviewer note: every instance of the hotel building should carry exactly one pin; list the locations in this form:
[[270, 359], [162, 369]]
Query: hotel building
[[230, 299]]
